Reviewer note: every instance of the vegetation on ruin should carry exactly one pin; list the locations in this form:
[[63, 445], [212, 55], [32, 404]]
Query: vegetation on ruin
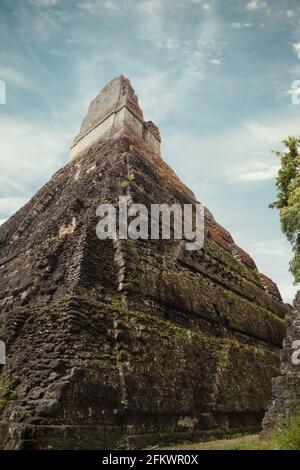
[[285, 438], [288, 198]]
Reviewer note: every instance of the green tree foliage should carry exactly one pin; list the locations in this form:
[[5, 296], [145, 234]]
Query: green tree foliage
[[288, 198]]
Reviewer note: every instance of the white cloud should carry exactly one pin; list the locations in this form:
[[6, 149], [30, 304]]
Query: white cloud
[[15, 77], [8, 184], [297, 49], [271, 133], [30, 153], [237, 25], [246, 151], [166, 89], [277, 247], [152, 22], [287, 289], [10, 205], [205, 5], [97, 6], [44, 3], [169, 43], [290, 13], [216, 61], [160, 96], [150, 6], [155, 24], [256, 5], [166, 92], [42, 24], [186, 60], [263, 174], [42, 21], [295, 90], [251, 158]]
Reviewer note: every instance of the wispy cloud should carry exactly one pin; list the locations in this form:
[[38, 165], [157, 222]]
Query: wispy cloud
[[44, 20], [206, 6], [150, 6], [16, 77], [256, 5], [152, 21], [42, 24], [297, 49], [169, 43], [216, 61], [166, 86], [9, 205], [237, 25], [29, 153], [262, 174], [246, 152], [203, 4], [96, 6], [254, 141], [290, 13], [44, 3], [187, 52], [295, 90]]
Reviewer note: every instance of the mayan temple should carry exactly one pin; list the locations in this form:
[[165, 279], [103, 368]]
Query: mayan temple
[[127, 343], [285, 400]]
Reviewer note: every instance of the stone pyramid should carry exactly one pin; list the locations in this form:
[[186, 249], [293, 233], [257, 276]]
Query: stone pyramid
[[122, 343]]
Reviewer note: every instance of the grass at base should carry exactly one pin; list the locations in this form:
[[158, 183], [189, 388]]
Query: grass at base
[[220, 444], [287, 438]]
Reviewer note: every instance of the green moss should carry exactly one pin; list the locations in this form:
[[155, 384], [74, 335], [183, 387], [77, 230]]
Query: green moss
[[124, 184], [264, 311], [163, 326], [6, 394], [130, 177], [129, 243], [116, 302]]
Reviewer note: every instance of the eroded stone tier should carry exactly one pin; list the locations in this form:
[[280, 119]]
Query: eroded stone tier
[[127, 343]]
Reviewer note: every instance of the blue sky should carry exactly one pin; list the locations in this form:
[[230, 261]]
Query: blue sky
[[214, 75]]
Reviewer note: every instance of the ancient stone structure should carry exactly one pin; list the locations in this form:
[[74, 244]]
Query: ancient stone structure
[[115, 109], [126, 343], [285, 400]]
